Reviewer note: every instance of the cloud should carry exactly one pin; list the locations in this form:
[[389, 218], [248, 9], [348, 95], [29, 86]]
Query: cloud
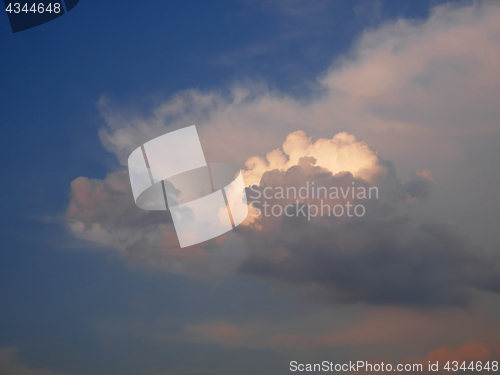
[[413, 110], [409, 81], [99, 208], [342, 153], [422, 93], [391, 327], [418, 331], [408, 99], [386, 256], [296, 332], [10, 365], [471, 351], [103, 212]]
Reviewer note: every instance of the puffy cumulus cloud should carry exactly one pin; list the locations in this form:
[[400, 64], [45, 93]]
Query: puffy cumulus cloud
[[382, 256], [418, 91], [342, 153], [103, 212], [386, 256], [415, 90], [9, 364]]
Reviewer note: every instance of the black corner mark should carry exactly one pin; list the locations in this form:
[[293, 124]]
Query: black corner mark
[[25, 14]]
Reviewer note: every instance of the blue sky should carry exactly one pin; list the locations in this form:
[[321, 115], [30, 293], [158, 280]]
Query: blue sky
[[72, 310]]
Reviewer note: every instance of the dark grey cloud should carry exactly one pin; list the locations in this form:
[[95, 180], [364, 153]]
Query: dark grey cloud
[[388, 256]]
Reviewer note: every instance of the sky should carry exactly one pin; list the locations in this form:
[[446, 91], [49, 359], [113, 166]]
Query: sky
[[401, 95]]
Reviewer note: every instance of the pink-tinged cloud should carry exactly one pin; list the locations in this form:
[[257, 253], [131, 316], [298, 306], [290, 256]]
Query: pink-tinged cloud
[[86, 198], [103, 213], [417, 335], [394, 327], [470, 351], [382, 327], [416, 92]]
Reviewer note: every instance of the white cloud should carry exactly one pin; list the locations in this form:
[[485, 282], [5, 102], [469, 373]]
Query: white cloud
[[342, 153], [417, 92]]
